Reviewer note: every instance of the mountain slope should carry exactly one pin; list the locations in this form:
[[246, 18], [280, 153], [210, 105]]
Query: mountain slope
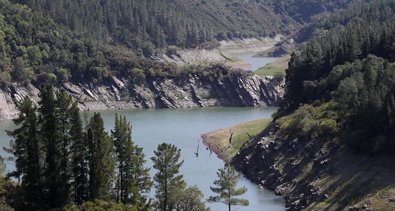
[[332, 142], [145, 25]]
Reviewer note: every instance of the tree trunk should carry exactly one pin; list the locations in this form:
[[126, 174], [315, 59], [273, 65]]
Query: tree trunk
[[165, 202]]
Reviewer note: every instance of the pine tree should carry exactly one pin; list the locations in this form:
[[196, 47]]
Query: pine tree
[[225, 187], [26, 149], [142, 180], [101, 161], [49, 134], [79, 151], [63, 113], [123, 153], [167, 179], [133, 178]]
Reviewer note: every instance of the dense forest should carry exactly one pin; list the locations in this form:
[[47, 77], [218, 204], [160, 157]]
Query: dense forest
[[342, 81], [304, 11], [142, 24]]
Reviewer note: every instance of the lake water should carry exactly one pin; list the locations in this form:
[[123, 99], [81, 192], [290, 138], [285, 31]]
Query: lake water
[[183, 128], [254, 62]]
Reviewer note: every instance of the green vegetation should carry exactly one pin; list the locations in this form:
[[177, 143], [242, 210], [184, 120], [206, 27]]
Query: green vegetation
[[276, 68], [56, 42], [148, 25], [49, 54], [144, 25], [226, 188], [310, 121], [133, 178], [303, 11], [168, 182], [171, 190], [227, 142], [348, 71], [61, 165]]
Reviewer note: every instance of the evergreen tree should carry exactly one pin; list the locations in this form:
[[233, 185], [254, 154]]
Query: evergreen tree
[[168, 181], [101, 160], [191, 199], [142, 180], [121, 137], [79, 151], [50, 136], [63, 114], [225, 187], [26, 149], [133, 178]]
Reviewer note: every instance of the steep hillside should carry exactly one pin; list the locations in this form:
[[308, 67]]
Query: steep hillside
[[148, 24], [331, 144], [303, 11], [145, 25]]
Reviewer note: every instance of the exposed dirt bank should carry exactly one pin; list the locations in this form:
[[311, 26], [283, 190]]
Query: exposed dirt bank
[[320, 174]]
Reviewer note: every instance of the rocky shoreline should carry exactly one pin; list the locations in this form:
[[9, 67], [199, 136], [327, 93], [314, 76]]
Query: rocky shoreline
[[318, 174], [188, 91]]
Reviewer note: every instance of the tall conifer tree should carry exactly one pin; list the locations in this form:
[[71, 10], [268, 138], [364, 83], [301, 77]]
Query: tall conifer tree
[[101, 160], [133, 178], [168, 180], [52, 143], [225, 187], [26, 149], [79, 151]]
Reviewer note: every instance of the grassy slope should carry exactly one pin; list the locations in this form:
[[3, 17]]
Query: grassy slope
[[277, 67], [218, 140]]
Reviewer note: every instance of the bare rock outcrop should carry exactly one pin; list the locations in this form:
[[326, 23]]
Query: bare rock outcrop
[[188, 91]]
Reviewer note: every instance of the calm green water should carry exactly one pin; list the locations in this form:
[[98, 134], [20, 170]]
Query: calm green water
[[254, 62], [183, 128]]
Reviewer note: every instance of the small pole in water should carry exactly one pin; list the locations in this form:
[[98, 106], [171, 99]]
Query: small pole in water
[[231, 135], [197, 150]]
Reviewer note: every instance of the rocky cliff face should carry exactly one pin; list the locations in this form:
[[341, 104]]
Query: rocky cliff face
[[188, 91]]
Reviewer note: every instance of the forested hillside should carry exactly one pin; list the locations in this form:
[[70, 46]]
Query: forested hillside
[[149, 24], [33, 48], [350, 66], [303, 11], [331, 144], [144, 25]]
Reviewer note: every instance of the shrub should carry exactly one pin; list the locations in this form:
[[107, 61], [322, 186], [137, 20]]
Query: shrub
[[46, 78], [310, 121], [5, 78], [137, 75]]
